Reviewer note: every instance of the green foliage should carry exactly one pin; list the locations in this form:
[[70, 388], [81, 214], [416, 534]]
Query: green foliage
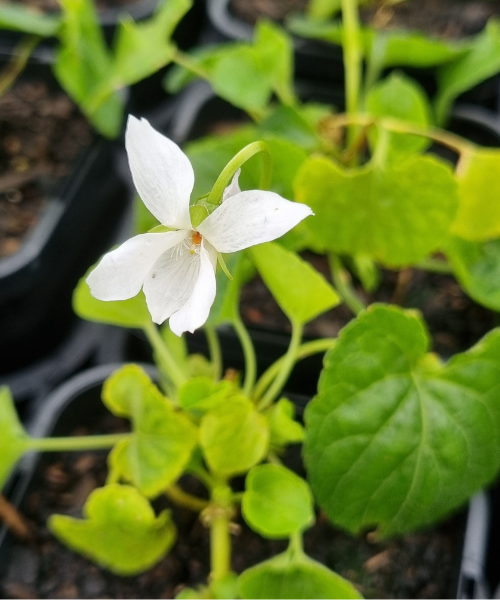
[[478, 215], [394, 438], [234, 437], [395, 214], [399, 97], [17, 17], [278, 267], [283, 427], [293, 575], [124, 313], [480, 62], [162, 442], [476, 265], [277, 503], [119, 531], [14, 440], [201, 394]]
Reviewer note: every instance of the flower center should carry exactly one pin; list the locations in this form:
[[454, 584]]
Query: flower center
[[195, 242]]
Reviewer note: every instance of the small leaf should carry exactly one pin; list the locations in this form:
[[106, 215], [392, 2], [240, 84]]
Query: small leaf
[[290, 123], [287, 576], [478, 215], [158, 450], [276, 502], [480, 62], [396, 215], [282, 425], [201, 394], [301, 292], [399, 97], [234, 437], [476, 265], [394, 438], [124, 313], [14, 440], [17, 17], [119, 531]]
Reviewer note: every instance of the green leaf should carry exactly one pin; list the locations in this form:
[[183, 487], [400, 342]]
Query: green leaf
[[301, 291], [119, 531], [396, 215], [14, 439], [84, 67], [478, 215], [399, 97], [17, 17], [480, 62], [289, 576], [324, 9], [124, 313], [158, 450], [292, 124], [282, 425], [234, 437], [476, 265], [201, 394], [394, 438], [276, 502]]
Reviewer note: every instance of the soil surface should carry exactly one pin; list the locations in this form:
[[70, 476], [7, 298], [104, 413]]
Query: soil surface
[[443, 18], [41, 134], [421, 565], [53, 5]]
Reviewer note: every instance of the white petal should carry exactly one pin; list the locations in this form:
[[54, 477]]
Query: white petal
[[195, 311], [161, 172], [251, 218], [121, 273], [233, 188], [169, 284]]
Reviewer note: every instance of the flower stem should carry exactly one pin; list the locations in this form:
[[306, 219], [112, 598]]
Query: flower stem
[[182, 498], [167, 362], [342, 281], [224, 179], [352, 58], [285, 368], [215, 350], [75, 443], [248, 353], [304, 350]]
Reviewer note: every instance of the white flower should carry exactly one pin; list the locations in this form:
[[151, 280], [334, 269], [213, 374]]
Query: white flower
[[176, 269]]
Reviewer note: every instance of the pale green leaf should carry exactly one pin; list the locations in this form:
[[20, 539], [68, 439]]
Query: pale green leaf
[[396, 215], [13, 438], [119, 531], [234, 437], [162, 440], [282, 424], [395, 439], [301, 291], [276, 503], [17, 17]]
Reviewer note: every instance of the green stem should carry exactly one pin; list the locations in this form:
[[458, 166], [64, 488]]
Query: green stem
[[75, 443], [352, 58], [295, 547], [248, 353], [185, 61], [215, 350], [166, 361], [224, 179], [435, 265], [304, 350], [285, 368], [182, 498], [342, 281], [220, 537], [18, 61]]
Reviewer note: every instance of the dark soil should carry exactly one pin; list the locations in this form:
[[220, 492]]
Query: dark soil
[[443, 18], [421, 565], [53, 5], [41, 134]]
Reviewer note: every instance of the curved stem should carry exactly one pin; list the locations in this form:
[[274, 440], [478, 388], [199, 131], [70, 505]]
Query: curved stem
[[342, 281], [304, 350], [248, 353], [182, 498], [224, 179], [285, 368], [435, 265], [215, 350], [18, 61], [88, 442], [167, 362], [185, 61]]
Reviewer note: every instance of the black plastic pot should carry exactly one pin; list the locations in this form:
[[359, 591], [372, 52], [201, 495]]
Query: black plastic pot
[[77, 404]]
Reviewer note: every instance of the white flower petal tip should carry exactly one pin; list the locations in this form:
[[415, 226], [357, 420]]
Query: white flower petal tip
[[233, 188]]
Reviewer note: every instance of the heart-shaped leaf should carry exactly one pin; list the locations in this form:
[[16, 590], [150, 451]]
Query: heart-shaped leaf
[[120, 530], [163, 440], [396, 215], [394, 438], [13, 438], [277, 503]]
